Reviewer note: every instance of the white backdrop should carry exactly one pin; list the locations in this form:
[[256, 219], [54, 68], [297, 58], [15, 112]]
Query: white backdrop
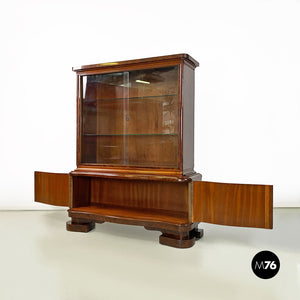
[[247, 86]]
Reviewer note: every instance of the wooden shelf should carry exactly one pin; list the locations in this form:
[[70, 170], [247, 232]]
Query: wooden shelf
[[132, 134], [119, 214], [131, 98]]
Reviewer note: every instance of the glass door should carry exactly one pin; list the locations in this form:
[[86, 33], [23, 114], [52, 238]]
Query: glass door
[[130, 118]]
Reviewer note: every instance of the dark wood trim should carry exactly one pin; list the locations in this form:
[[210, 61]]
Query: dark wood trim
[[180, 119], [132, 169], [78, 116], [117, 68], [136, 62]]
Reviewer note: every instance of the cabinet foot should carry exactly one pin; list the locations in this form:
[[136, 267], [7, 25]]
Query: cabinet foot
[[178, 236], [80, 225], [176, 241]]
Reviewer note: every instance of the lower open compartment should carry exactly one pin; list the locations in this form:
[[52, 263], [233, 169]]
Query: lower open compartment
[[156, 205], [129, 201]]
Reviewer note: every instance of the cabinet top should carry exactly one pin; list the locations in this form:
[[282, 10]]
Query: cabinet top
[[182, 56]]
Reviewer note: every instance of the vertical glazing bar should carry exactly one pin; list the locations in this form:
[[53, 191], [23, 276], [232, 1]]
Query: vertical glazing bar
[[79, 117], [126, 85]]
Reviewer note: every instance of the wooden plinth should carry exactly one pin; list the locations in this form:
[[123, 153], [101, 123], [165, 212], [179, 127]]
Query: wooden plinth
[[173, 234]]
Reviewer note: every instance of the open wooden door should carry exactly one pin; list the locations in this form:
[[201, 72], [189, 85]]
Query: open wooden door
[[52, 188], [244, 205]]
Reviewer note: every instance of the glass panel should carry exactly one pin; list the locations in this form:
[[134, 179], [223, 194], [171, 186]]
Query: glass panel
[[131, 118]]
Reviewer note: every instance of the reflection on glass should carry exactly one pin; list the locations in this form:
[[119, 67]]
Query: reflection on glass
[[130, 118]]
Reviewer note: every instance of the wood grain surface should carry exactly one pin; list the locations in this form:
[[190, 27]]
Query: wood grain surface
[[52, 188], [245, 205], [143, 194]]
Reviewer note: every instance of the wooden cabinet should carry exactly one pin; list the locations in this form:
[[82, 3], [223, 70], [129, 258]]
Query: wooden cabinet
[[135, 156]]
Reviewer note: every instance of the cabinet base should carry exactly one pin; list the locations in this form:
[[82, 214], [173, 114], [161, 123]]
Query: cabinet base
[[173, 235]]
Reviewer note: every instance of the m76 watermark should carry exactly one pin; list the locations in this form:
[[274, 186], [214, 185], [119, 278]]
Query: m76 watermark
[[265, 264]]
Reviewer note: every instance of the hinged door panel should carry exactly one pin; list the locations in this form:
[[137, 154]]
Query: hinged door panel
[[244, 205], [52, 188]]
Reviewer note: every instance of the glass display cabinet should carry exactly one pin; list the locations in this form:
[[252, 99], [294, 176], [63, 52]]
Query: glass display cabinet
[[135, 156], [130, 118]]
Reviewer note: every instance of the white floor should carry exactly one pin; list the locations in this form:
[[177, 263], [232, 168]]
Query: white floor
[[41, 260]]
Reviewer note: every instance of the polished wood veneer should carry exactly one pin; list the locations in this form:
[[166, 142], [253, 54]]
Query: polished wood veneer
[[135, 157], [246, 205], [52, 188], [128, 215]]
